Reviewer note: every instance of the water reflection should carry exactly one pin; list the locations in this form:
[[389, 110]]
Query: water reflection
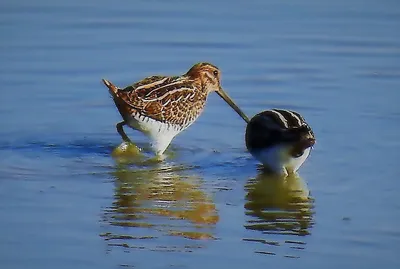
[[281, 209], [154, 204]]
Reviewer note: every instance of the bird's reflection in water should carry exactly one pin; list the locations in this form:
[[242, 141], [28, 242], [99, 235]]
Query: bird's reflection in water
[[159, 207], [281, 209]]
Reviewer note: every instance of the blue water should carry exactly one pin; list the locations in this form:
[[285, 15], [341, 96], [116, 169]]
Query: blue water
[[66, 202]]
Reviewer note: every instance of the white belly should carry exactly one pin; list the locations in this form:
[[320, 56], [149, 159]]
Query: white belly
[[160, 133], [295, 163], [278, 161]]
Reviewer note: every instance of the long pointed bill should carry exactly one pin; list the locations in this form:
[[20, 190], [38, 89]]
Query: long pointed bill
[[232, 104]]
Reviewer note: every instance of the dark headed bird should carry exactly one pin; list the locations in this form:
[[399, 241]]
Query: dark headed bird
[[280, 139]]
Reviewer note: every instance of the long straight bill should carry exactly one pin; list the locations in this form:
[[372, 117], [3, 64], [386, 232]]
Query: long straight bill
[[227, 99]]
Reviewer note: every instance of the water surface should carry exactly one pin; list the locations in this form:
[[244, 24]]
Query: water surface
[[66, 202]]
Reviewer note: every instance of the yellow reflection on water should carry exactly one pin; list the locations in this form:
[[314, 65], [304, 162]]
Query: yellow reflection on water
[[156, 202], [281, 209]]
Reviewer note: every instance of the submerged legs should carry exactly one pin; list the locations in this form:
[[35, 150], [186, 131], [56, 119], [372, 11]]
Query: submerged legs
[[121, 131], [127, 148]]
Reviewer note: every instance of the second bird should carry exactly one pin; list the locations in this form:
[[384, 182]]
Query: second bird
[[163, 106], [280, 139]]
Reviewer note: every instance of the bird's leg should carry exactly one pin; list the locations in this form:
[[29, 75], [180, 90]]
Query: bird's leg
[[121, 132], [127, 148]]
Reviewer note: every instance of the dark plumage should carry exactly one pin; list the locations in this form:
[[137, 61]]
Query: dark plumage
[[280, 139]]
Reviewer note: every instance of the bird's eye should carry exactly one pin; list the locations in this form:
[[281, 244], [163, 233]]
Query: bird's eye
[[215, 73]]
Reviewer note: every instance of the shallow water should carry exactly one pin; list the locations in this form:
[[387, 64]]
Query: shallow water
[[66, 202]]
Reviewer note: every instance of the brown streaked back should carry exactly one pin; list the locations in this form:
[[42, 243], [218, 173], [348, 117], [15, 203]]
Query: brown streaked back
[[173, 100]]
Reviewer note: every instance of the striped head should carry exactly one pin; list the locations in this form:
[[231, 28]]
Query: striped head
[[280, 139], [208, 76]]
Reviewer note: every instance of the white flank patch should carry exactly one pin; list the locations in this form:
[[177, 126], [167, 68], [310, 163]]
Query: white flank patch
[[160, 133], [294, 163], [272, 158], [277, 159]]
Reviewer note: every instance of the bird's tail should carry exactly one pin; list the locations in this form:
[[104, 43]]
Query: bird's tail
[[111, 88]]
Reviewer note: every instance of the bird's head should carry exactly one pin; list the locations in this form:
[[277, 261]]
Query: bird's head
[[208, 76]]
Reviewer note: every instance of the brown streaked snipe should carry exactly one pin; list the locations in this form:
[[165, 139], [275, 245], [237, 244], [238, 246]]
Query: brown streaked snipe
[[162, 106]]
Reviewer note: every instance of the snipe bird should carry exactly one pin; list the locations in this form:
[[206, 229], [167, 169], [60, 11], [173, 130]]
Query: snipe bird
[[280, 139], [163, 106]]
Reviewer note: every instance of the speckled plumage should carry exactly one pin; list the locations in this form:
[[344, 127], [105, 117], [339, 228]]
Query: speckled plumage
[[163, 106]]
